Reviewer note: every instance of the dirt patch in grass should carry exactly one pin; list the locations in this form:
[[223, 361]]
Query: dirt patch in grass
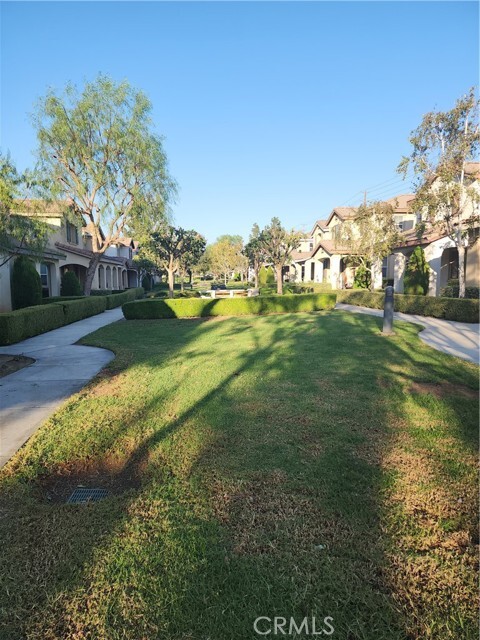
[[111, 473], [108, 383], [265, 517], [442, 389], [10, 364]]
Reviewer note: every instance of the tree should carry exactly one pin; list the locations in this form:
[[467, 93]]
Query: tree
[[98, 151], [226, 256], [146, 269], [417, 273], [19, 234], [193, 249], [26, 284], [278, 244], [370, 237], [168, 248], [254, 252], [443, 144]]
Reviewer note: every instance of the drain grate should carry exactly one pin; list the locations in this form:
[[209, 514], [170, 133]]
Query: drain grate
[[82, 495]]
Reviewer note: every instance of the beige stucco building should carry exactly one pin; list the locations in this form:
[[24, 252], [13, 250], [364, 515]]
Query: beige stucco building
[[440, 250], [321, 257], [69, 248]]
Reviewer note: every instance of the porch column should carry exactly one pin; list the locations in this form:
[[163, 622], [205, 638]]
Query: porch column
[[399, 264], [335, 272], [319, 271], [433, 255], [377, 278]]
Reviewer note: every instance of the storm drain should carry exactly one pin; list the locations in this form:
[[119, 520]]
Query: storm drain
[[82, 495]]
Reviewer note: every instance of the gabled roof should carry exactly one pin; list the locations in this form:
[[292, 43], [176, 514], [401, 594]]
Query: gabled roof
[[473, 169], [332, 248], [86, 253], [343, 213], [322, 224], [402, 203]]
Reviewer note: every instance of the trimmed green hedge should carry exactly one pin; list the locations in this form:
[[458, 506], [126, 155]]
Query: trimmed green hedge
[[117, 299], [56, 312], [194, 307], [60, 299], [30, 321], [75, 310], [447, 308]]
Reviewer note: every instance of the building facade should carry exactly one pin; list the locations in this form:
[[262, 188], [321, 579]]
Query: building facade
[[69, 248]]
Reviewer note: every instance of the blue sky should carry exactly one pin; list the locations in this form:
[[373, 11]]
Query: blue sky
[[285, 109]]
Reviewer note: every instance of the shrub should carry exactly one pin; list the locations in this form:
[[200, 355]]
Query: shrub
[[26, 284], [78, 309], [416, 274], [60, 299], [101, 292], [30, 321], [194, 307], [447, 308], [147, 283], [188, 293], [70, 285], [362, 279], [452, 290], [116, 300], [266, 276]]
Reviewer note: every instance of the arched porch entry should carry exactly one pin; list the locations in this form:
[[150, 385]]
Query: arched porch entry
[[132, 279], [79, 270], [108, 278], [101, 277], [448, 266]]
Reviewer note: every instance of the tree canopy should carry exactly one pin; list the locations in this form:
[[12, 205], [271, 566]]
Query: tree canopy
[[370, 237], [19, 234], [442, 146], [278, 244], [97, 149]]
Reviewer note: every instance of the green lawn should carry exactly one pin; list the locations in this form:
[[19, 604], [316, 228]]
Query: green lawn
[[295, 465]]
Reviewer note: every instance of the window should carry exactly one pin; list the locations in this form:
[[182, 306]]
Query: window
[[384, 268], [72, 233], [45, 278]]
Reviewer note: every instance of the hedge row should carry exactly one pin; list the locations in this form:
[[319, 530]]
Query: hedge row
[[60, 299], [30, 321], [194, 307], [57, 312], [117, 299], [461, 310]]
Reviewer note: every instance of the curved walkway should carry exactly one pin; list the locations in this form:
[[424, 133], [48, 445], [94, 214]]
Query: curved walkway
[[61, 368], [459, 339]]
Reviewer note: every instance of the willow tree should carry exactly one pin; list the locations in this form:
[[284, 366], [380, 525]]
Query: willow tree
[[443, 147], [370, 237], [99, 152], [278, 244], [19, 234]]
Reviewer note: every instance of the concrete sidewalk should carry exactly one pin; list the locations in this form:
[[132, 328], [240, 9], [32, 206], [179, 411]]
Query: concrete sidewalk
[[459, 339], [60, 369]]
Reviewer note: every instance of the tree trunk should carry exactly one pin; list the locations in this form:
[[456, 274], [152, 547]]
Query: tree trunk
[[225, 278], [461, 270], [255, 276], [279, 280], [92, 267], [171, 282], [181, 283]]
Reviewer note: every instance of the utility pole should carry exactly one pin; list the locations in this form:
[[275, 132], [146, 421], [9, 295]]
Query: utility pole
[[364, 198]]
